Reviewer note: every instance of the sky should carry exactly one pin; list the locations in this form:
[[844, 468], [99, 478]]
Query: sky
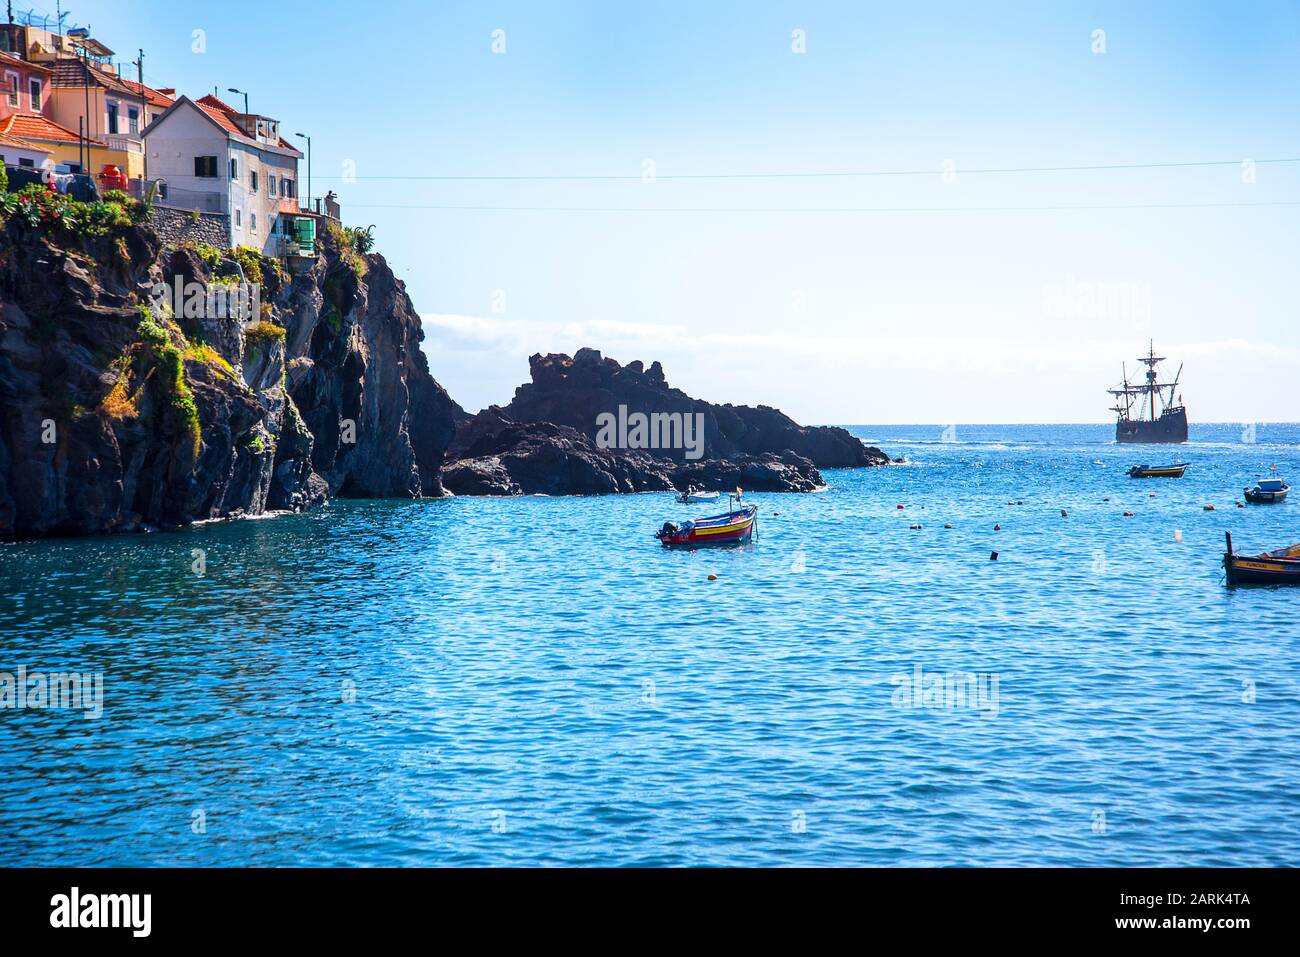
[[936, 293]]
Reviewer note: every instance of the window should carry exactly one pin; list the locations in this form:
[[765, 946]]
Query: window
[[234, 168], [13, 89], [28, 164], [238, 219], [252, 222], [34, 87], [112, 118], [270, 188], [133, 121], [252, 180], [286, 187], [205, 167]]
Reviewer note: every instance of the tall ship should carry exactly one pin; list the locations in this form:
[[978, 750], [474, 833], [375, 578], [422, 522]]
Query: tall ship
[[1150, 411]]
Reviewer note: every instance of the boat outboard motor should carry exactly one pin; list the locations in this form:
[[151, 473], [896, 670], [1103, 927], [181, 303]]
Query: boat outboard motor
[[667, 531]]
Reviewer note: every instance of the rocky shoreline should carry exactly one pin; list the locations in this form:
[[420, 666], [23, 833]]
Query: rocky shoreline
[[118, 416], [547, 439]]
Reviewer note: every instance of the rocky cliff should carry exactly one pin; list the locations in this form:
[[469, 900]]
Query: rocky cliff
[[575, 391], [123, 410], [548, 439], [116, 414]]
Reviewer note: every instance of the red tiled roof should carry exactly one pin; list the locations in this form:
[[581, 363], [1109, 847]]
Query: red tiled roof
[[10, 60], [155, 97], [29, 126], [14, 142], [73, 73], [213, 101], [222, 120]]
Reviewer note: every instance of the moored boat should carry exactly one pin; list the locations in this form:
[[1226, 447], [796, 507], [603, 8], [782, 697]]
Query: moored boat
[[1278, 567], [1267, 491], [1159, 471], [696, 495], [730, 528]]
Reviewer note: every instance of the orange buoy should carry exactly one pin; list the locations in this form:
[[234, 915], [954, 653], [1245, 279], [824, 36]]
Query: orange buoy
[[1209, 508], [713, 578]]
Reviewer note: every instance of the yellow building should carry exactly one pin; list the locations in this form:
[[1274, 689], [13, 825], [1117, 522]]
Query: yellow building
[[85, 96], [64, 147]]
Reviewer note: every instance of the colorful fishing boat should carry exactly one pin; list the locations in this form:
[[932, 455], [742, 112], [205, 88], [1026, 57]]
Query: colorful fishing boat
[[1267, 491], [1159, 471], [730, 528], [1280, 567]]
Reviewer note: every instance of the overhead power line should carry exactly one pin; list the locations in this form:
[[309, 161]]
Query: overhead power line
[[830, 174], [817, 209]]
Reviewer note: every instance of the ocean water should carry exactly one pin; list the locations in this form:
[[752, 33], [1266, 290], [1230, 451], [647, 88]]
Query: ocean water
[[536, 681]]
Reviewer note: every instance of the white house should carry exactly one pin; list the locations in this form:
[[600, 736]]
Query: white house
[[17, 152], [217, 160]]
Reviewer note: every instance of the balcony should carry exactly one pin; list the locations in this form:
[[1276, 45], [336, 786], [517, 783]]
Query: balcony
[[125, 144]]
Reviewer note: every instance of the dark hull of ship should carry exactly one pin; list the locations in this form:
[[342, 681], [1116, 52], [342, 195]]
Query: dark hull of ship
[[1169, 429]]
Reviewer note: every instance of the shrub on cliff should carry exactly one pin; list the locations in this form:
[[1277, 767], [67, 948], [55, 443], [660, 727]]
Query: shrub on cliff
[[38, 206], [170, 364], [263, 333]]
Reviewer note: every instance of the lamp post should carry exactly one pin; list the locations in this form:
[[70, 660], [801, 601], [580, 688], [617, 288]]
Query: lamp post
[[231, 89], [144, 121], [308, 139]]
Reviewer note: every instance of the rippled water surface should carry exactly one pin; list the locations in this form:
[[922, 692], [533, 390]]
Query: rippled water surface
[[535, 681]]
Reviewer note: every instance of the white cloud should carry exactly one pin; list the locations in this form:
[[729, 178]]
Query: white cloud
[[833, 378]]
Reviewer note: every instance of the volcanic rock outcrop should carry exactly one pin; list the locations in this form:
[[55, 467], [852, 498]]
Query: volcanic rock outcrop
[[547, 439]]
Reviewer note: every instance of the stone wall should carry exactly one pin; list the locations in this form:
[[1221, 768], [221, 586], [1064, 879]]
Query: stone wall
[[176, 226]]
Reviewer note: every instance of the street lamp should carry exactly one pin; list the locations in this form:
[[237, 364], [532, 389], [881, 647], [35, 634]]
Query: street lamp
[[231, 89], [308, 139]]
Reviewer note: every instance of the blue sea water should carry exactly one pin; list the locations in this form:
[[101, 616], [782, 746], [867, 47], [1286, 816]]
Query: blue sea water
[[535, 681]]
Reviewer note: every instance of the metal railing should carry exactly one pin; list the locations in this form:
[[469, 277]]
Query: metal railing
[[124, 143], [175, 197]]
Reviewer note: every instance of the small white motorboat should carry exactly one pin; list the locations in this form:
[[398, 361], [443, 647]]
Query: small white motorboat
[[695, 495]]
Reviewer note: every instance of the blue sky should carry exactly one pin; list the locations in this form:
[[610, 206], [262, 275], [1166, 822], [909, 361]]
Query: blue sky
[[953, 308]]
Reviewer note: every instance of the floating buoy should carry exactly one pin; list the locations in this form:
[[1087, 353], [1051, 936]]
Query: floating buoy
[[1105, 500], [1209, 508], [1178, 534], [1128, 514], [947, 526], [776, 513], [713, 578], [902, 506], [1240, 505], [1064, 514], [997, 528], [993, 556], [1151, 494], [1019, 502]]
